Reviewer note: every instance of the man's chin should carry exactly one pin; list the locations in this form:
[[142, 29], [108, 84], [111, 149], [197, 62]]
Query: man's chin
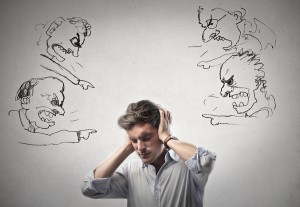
[[44, 125]]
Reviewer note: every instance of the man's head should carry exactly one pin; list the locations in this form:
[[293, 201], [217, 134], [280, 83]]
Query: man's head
[[42, 98], [241, 76], [220, 25], [66, 37], [141, 122]]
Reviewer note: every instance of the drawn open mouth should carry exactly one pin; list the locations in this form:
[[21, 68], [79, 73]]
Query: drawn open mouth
[[61, 51], [240, 99], [217, 37], [46, 116]]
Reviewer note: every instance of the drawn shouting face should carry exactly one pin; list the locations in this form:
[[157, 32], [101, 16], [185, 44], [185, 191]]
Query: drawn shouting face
[[241, 77], [45, 102], [66, 37], [220, 25]]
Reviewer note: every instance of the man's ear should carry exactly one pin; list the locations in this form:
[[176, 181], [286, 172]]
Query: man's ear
[[54, 25]]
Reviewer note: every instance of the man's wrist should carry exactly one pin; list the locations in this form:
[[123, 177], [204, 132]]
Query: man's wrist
[[168, 139]]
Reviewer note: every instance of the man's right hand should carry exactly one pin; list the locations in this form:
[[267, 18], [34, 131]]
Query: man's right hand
[[128, 143]]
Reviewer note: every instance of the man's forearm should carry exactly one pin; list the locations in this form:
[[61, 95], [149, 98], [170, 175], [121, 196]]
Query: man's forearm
[[183, 149], [108, 167]]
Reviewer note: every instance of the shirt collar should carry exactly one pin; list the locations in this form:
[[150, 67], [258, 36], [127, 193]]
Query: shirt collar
[[170, 156]]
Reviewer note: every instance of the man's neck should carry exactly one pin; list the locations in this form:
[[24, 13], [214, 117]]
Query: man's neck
[[160, 160]]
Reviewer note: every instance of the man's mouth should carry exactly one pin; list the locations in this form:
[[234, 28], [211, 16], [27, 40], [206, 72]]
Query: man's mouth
[[46, 116], [144, 154], [215, 36], [240, 99], [61, 51]]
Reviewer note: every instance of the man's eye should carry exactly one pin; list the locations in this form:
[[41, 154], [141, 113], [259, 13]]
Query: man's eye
[[230, 82], [212, 24], [54, 102], [146, 139], [75, 42], [133, 140]]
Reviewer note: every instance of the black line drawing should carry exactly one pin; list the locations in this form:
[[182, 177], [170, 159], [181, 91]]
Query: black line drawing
[[41, 100], [60, 41], [243, 80], [225, 33]]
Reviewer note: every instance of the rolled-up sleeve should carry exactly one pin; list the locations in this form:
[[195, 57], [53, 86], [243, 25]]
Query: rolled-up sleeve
[[112, 187], [201, 164]]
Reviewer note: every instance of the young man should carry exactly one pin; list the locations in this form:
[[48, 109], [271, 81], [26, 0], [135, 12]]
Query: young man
[[170, 172]]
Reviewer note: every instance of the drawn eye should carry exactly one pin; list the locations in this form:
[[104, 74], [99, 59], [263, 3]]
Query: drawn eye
[[230, 81], [212, 23], [54, 102], [75, 42]]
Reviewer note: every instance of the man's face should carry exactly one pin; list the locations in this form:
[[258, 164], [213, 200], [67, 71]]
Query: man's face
[[144, 138], [65, 41], [239, 84], [45, 103], [221, 26]]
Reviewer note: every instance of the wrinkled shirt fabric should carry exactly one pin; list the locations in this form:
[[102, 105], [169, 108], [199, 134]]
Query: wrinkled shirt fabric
[[178, 183]]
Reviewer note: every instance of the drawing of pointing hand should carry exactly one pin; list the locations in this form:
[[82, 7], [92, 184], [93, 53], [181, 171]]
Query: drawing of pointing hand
[[85, 134], [214, 120], [85, 84]]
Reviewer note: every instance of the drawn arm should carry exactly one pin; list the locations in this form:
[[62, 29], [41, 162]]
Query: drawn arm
[[223, 119], [55, 67], [63, 136]]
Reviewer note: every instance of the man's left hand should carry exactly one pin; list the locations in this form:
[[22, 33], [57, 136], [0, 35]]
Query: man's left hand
[[164, 125]]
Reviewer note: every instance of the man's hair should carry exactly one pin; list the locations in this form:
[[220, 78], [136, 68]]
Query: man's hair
[[141, 112], [81, 25]]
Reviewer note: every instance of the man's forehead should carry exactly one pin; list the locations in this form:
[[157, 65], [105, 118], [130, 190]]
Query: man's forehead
[[226, 72], [141, 129], [215, 13]]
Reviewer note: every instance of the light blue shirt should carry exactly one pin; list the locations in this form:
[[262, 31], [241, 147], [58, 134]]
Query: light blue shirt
[[177, 183]]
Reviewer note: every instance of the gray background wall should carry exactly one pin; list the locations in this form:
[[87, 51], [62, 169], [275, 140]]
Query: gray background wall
[[140, 50]]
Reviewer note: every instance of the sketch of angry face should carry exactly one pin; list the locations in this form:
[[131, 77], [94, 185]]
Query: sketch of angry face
[[220, 25], [42, 98], [66, 37], [241, 76]]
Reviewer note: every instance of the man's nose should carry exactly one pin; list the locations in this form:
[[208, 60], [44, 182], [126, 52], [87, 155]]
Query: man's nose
[[75, 51], [141, 146], [206, 35], [225, 90], [59, 111]]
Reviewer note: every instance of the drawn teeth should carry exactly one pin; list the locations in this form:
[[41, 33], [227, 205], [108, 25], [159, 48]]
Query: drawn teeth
[[241, 104], [234, 104], [47, 113], [234, 97], [50, 115]]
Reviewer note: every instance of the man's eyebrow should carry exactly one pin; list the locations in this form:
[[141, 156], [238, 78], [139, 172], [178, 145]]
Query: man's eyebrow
[[146, 134], [228, 80]]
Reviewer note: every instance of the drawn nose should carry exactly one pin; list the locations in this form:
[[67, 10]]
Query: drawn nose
[[207, 35], [75, 52], [59, 111], [224, 94], [225, 91]]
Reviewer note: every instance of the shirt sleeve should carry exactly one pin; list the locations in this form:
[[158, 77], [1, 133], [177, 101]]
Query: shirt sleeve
[[111, 187], [201, 164]]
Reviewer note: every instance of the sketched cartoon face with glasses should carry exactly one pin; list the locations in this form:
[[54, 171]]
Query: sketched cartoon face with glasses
[[42, 98], [220, 25]]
